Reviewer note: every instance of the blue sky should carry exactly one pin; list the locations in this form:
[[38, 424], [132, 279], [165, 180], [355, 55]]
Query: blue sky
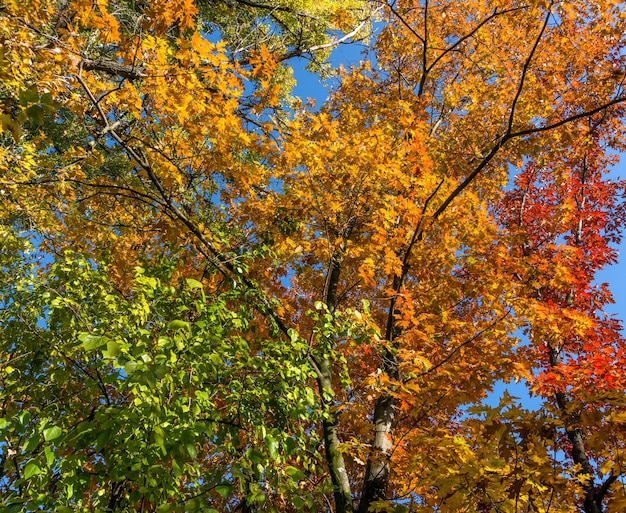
[[615, 275]]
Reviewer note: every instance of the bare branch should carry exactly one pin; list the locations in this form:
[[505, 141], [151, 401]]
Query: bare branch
[[425, 67], [520, 87], [473, 338], [605, 487], [471, 177], [509, 136]]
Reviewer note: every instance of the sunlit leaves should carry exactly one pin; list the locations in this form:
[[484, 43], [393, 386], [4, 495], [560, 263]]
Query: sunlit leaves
[[322, 290], [141, 388]]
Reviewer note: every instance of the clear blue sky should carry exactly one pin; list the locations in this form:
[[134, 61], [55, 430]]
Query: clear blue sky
[[615, 275]]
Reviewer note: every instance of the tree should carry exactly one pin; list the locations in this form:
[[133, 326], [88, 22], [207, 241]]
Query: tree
[[325, 296]]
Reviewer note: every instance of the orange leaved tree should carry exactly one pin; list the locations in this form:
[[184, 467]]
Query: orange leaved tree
[[252, 303]]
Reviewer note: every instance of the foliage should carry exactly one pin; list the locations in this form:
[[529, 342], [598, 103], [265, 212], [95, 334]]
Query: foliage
[[253, 303], [113, 401]]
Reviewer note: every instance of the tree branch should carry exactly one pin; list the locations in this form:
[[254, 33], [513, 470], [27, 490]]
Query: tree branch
[[128, 71], [525, 70], [569, 119], [331, 44]]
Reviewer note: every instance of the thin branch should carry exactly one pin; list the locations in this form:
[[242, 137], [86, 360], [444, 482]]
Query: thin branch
[[406, 24], [605, 487], [424, 40], [529, 59], [500, 141], [470, 178], [425, 68], [331, 44], [557, 124], [257, 5], [472, 32], [465, 343], [418, 232], [132, 193]]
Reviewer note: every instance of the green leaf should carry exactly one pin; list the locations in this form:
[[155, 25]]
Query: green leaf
[[192, 504], [294, 473], [49, 453], [272, 447], [32, 443], [177, 325], [22, 117], [224, 490], [194, 284], [91, 342], [178, 470], [24, 418], [102, 440], [255, 456], [216, 359], [290, 445], [159, 436], [32, 469], [35, 113], [30, 95], [160, 371], [4, 423], [113, 349], [10, 124], [52, 433]]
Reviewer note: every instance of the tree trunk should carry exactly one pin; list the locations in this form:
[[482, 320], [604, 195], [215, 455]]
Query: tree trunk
[[593, 499], [334, 458], [377, 472]]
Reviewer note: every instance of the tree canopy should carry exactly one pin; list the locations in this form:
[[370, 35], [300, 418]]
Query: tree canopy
[[218, 297]]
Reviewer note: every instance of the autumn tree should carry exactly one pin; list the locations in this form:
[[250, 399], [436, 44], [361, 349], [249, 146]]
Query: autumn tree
[[251, 302]]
